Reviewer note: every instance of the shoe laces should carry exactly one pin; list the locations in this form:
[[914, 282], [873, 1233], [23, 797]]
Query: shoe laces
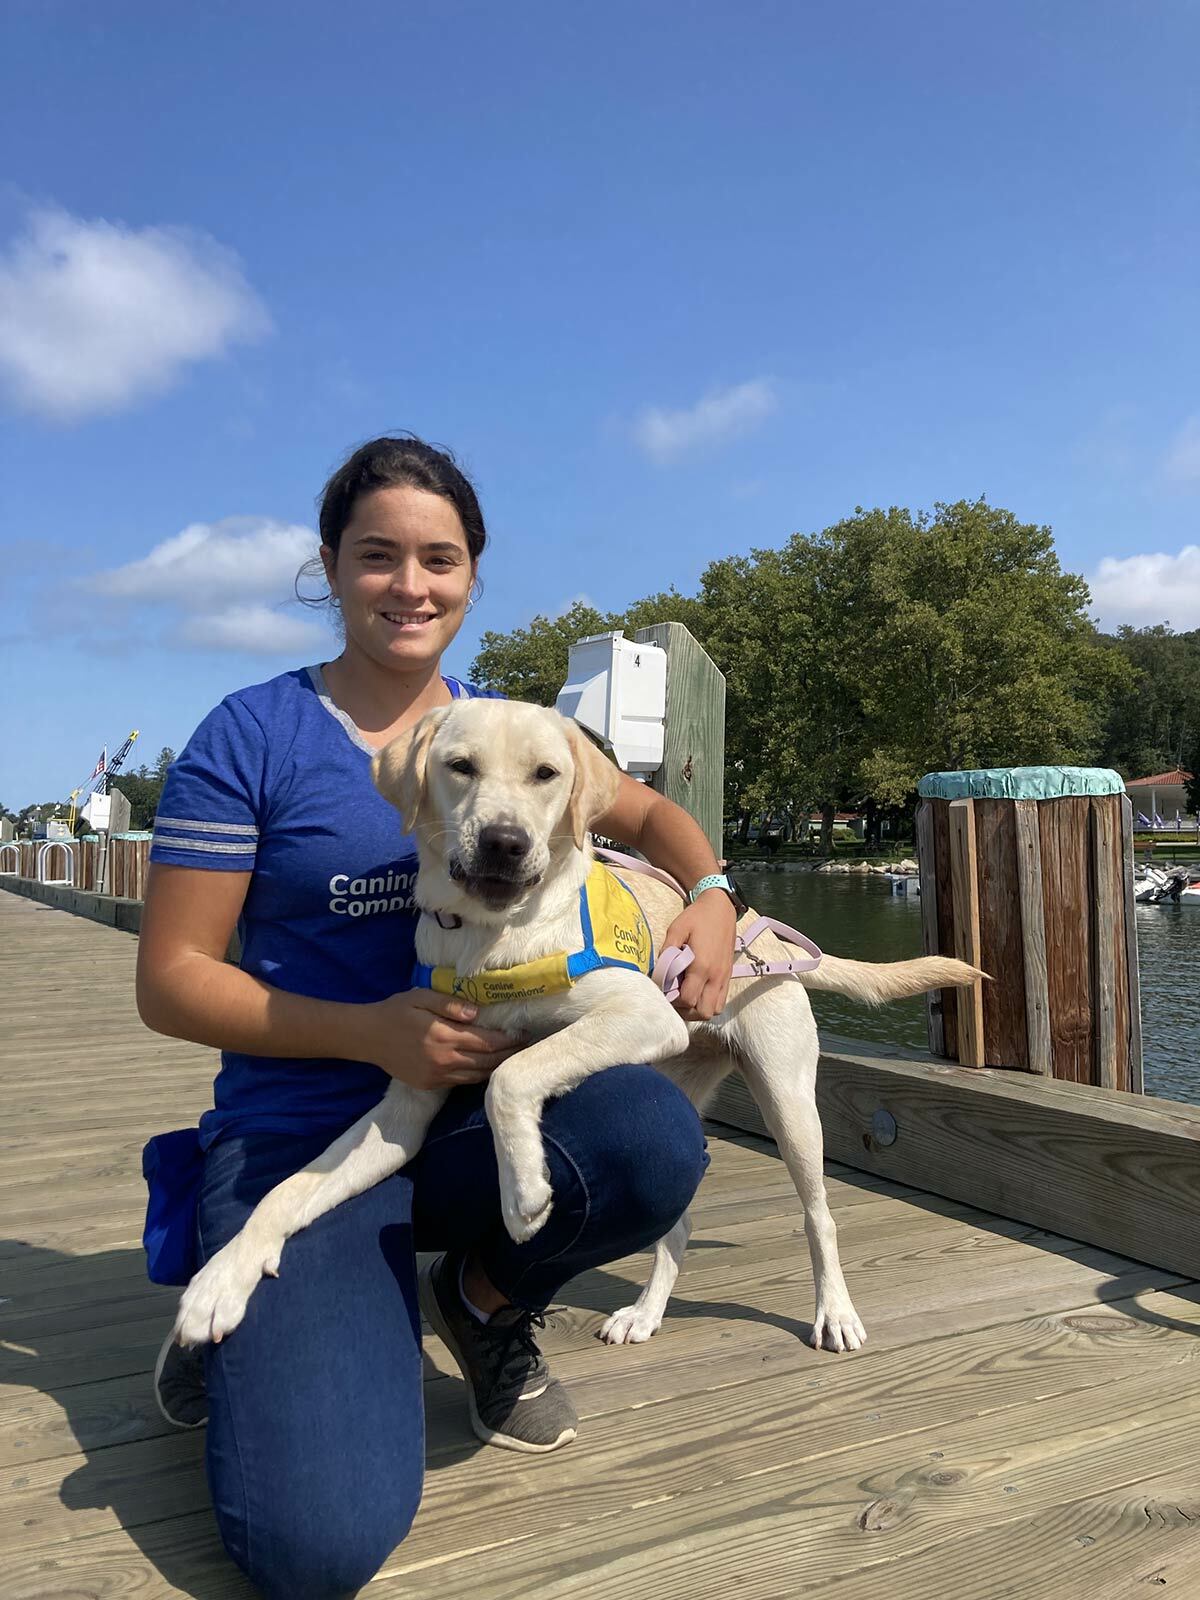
[[517, 1355]]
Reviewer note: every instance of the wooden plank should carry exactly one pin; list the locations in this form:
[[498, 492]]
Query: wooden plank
[[1110, 1020], [1082, 1346], [693, 768], [1063, 826], [762, 1518], [927, 872], [1033, 936], [1005, 1034], [939, 811], [1029, 1148], [1132, 969], [964, 889], [955, 1488], [892, 1396], [1126, 1542]]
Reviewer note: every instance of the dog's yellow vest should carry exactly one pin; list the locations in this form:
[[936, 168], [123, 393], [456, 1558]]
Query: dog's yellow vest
[[615, 934]]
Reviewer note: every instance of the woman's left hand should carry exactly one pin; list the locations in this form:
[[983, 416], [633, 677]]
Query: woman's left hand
[[708, 926]]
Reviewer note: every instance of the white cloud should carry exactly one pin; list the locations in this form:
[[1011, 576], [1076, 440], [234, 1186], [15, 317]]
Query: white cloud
[[215, 586], [1142, 590], [256, 629], [1182, 464], [721, 414], [233, 559], [96, 315]]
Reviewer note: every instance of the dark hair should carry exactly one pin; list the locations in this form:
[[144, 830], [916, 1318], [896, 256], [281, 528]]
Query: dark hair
[[386, 463]]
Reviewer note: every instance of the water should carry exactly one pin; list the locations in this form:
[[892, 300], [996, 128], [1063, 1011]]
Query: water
[[852, 915], [1169, 958]]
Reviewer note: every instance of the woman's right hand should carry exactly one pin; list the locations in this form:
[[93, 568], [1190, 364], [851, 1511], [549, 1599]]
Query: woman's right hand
[[429, 1040]]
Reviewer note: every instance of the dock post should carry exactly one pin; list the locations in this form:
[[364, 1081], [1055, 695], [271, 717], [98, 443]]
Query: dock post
[[693, 768], [1027, 872]]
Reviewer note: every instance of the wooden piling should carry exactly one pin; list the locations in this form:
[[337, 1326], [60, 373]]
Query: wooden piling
[[693, 768], [1028, 872]]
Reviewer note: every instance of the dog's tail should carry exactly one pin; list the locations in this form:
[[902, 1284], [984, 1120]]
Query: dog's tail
[[877, 982]]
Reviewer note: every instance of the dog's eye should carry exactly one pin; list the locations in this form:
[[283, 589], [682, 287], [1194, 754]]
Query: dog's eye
[[462, 765], [544, 773]]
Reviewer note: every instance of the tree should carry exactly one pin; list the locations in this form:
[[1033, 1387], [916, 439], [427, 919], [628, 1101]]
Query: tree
[[42, 811], [1155, 719], [1191, 786], [143, 788], [968, 644], [861, 657], [531, 663]]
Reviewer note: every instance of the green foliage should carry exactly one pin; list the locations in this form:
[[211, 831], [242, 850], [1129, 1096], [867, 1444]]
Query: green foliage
[[531, 663], [884, 647], [41, 811], [1191, 788], [1154, 725], [143, 788]]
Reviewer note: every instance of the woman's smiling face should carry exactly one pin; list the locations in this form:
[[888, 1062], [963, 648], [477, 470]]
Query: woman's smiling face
[[402, 576]]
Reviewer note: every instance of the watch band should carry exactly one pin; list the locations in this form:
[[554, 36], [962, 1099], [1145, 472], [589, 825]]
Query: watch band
[[714, 880]]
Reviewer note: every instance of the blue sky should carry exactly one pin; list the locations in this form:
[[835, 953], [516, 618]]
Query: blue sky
[[675, 280]]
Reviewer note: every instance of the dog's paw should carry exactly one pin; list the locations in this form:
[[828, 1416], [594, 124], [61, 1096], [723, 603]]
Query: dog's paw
[[215, 1301], [836, 1326], [630, 1325], [526, 1206]]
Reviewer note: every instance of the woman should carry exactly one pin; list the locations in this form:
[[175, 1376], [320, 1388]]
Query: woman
[[269, 822]]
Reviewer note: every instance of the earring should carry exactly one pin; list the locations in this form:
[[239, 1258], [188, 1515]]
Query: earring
[[477, 594]]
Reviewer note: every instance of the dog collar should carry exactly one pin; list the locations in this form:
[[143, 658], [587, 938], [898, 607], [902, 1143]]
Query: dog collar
[[614, 932]]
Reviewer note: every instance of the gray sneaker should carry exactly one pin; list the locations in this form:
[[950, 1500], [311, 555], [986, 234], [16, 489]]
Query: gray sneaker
[[179, 1385], [514, 1402]]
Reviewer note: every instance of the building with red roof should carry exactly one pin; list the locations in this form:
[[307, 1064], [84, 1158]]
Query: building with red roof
[[1161, 795]]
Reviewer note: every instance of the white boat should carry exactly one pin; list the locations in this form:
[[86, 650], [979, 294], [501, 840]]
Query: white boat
[[1151, 885], [1165, 885], [904, 882]]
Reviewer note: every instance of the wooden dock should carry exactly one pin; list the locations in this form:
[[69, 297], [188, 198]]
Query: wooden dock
[[1024, 1421]]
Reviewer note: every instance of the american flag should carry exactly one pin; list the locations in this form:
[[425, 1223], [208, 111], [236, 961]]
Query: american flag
[[101, 764]]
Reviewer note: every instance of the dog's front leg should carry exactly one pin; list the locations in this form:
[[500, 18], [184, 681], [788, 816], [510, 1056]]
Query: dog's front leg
[[378, 1144], [631, 1022]]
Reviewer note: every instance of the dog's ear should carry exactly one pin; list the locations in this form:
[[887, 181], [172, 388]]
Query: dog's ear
[[597, 782], [399, 768]]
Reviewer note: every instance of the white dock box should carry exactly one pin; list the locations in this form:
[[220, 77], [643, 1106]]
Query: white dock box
[[98, 811], [617, 689]]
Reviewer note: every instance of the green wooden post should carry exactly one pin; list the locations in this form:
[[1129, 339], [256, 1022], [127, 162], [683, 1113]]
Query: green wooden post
[[693, 769]]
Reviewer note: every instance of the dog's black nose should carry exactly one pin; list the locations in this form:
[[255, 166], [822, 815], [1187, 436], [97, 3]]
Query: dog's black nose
[[504, 841]]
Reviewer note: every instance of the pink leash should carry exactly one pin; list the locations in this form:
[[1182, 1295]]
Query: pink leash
[[673, 962]]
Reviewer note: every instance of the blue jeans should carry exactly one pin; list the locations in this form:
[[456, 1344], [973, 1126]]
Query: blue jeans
[[316, 1442]]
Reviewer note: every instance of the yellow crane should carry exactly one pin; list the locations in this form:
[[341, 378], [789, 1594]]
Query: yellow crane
[[98, 782]]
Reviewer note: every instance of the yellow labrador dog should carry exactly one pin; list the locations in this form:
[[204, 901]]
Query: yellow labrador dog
[[500, 795]]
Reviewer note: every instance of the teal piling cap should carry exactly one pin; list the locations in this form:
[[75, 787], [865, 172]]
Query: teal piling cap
[[1020, 783]]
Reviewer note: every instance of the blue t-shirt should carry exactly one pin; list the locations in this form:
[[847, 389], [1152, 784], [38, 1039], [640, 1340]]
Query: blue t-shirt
[[276, 781]]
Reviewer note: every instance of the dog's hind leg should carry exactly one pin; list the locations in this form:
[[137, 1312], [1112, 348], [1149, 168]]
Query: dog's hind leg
[[775, 1038], [636, 1323]]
